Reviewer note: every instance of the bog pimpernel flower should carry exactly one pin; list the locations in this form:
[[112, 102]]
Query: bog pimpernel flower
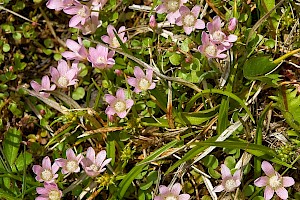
[[78, 50], [273, 182], [81, 13], [229, 182], [189, 19], [111, 39], [209, 49], [59, 4], [172, 193], [141, 82], [118, 105], [71, 164], [50, 191], [94, 165], [44, 86], [100, 57], [171, 7], [63, 76], [46, 172]]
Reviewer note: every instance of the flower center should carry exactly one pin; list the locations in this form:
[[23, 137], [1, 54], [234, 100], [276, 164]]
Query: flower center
[[94, 167], [170, 198], [173, 5], [63, 81], [274, 182], [120, 106], [115, 43], [144, 84], [230, 185], [211, 50], [101, 59], [71, 166], [218, 36], [189, 20], [54, 195], [46, 175], [81, 12]]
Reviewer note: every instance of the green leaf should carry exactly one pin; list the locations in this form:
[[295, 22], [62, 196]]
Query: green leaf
[[248, 190], [19, 164], [78, 93], [6, 196], [210, 162], [195, 118], [11, 145], [175, 59], [256, 67], [6, 48]]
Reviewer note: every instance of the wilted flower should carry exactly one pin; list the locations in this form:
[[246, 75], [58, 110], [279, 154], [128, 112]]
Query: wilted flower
[[71, 164], [273, 182], [216, 34], [141, 82], [94, 165], [232, 24], [172, 193], [63, 76], [100, 57], [44, 86], [210, 49], [229, 182], [152, 22], [78, 50], [46, 172], [171, 7], [118, 105], [189, 19], [59, 4], [81, 13], [50, 191], [111, 39]]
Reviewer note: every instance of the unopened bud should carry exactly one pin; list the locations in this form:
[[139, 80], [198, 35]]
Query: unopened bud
[[232, 24], [152, 22]]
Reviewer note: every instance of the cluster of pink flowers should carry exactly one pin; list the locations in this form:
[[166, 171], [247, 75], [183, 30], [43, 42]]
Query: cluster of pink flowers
[[85, 16], [273, 182], [216, 42], [92, 164]]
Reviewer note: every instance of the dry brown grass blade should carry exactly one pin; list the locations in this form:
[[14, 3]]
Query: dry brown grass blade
[[101, 130]]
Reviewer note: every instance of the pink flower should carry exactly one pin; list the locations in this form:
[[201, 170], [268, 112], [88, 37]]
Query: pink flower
[[232, 24], [152, 22], [71, 164], [46, 172], [172, 8], [50, 191], [229, 182], [81, 13], [44, 86], [118, 105], [111, 39], [216, 34], [78, 52], [100, 57], [273, 182], [101, 3], [209, 49], [189, 19], [94, 165], [141, 82], [59, 4], [64, 76], [171, 193]]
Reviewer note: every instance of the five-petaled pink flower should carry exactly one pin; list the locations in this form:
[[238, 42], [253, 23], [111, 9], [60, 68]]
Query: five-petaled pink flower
[[111, 39], [189, 19], [50, 191], [81, 13], [141, 82], [171, 7], [217, 36], [273, 182], [71, 164], [100, 57], [172, 193], [59, 4], [118, 105], [64, 76], [78, 50], [46, 172], [44, 86], [209, 49], [229, 182], [94, 165]]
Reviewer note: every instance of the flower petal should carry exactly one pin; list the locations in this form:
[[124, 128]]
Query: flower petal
[[120, 94], [282, 193], [261, 181], [90, 154], [219, 188], [225, 171], [100, 157], [138, 72], [163, 189], [287, 181], [267, 168], [46, 163], [176, 189], [269, 192], [184, 197]]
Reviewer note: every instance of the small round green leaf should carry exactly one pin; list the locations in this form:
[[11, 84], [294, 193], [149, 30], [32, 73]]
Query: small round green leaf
[[175, 59], [6, 47], [248, 190], [78, 93]]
